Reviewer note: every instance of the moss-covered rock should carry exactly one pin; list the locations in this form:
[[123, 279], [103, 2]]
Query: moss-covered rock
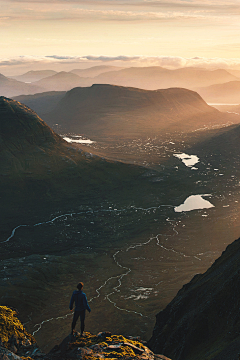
[[10, 326], [105, 345]]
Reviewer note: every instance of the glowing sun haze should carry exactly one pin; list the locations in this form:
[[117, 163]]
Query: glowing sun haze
[[147, 32]]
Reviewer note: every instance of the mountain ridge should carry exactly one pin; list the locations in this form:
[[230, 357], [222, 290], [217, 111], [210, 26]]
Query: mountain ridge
[[228, 92], [110, 110], [155, 77], [11, 87]]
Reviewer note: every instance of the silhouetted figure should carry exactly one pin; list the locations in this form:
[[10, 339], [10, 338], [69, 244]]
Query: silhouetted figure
[[81, 305]]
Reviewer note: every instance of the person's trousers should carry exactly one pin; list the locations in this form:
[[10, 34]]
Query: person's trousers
[[76, 315]]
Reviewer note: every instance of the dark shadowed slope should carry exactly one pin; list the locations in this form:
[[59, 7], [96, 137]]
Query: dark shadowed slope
[[34, 75], [41, 103], [20, 126], [155, 77], [37, 165], [227, 93], [107, 110], [203, 320], [12, 87], [95, 70], [30, 148], [61, 81], [24, 139]]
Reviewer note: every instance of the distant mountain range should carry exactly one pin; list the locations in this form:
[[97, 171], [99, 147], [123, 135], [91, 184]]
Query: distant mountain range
[[114, 111], [11, 87], [32, 75], [95, 70], [61, 81], [33, 82], [156, 77], [227, 93], [150, 78]]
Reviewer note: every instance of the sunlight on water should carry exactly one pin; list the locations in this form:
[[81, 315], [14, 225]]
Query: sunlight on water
[[188, 160], [194, 202], [78, 141]]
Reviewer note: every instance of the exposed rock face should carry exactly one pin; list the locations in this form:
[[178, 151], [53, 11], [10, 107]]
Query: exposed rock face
[[203, 320]]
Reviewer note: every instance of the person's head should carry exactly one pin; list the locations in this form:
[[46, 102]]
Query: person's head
[[80, 286]]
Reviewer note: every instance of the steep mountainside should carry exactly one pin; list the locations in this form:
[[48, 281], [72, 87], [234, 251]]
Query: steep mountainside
[[41, 103], [227, 93], [203, 320], [12, 87], [21, 130], [21, 127], [36, 164], [107, 110], [155, 77]]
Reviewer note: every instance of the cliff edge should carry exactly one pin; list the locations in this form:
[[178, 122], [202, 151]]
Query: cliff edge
[[203, 320], [17, 344]]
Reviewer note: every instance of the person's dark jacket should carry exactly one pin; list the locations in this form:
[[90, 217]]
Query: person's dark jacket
[[80, 300]]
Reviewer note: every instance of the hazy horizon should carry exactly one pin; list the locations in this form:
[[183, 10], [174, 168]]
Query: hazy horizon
[[63, 35]]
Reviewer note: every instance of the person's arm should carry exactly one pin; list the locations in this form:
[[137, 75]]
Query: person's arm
[[72, 301], [85, 303]]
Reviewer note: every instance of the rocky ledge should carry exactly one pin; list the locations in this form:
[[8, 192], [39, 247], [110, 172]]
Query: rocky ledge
[[16, 344]]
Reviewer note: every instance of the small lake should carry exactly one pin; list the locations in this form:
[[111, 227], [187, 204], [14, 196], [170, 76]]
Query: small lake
[[188, 160], [194, 202], [78, 141]]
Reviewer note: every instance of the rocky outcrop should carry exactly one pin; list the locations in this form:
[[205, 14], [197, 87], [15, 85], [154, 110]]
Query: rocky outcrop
[[101, 346], [203, 320], [16, 344]]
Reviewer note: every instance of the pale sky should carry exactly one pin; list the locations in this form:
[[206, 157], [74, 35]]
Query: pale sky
[[150, 31]]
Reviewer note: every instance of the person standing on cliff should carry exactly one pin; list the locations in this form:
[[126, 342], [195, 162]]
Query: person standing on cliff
[[81, 305]]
